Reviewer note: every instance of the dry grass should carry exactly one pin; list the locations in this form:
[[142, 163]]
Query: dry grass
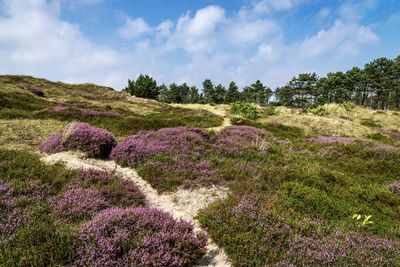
[[27, 134]]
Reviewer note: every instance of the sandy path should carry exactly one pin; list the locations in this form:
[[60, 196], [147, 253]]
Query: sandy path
[[182, 204]]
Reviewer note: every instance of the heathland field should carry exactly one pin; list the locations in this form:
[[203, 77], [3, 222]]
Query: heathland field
[[94, 177]]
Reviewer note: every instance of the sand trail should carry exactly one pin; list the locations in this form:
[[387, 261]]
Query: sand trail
[[182, 204]]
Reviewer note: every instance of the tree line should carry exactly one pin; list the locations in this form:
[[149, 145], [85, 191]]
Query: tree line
[[376, 85]]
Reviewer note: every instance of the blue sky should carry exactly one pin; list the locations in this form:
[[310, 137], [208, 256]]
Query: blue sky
[[110, 41]]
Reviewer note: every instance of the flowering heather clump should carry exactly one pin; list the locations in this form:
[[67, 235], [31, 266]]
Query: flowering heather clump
[[166, 141], [395, 187], [343, 249], [96, 142], [13, 205], [138, 237], [37, 91], [60, 109], [115, 189], [167, 175], [95, 113], [232, 140], [53, 144], [78, 203], [332, 139]]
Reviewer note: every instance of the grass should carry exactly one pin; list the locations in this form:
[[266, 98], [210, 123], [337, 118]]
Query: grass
[[291, 201], [290, 188]]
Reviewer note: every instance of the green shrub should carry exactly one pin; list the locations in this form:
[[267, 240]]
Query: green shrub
[[246, 110], [370, 123], [348, 105], [318, 111]]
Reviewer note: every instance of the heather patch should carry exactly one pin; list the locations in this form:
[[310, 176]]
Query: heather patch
[[332, 139], [169, 174], [78, 204], [394, 187], [95, 142], [167, 141], [37, 91], [96, 113], [341, 247], [138, 237], [116, 190], [234, 140]]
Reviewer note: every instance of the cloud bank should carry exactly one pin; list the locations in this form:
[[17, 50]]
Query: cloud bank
[[244, 45]]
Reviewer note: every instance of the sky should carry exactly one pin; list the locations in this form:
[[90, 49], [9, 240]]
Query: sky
[[110, 41]]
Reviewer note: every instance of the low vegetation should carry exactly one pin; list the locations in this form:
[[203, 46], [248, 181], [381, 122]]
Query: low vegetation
[[314, 186]]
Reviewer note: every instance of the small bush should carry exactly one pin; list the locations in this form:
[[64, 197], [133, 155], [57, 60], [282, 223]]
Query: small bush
[[138, 237], [332, 139], [166, 141], [348, 105], [234, 140], [379, 137], [269, 111], [78, 203], [37, 91], [95, 113], [395, 187], [370, 123], [319, 111], [118, 191], [246, 110], [96, 142]]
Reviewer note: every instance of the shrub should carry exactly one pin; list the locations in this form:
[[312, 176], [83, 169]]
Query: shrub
[[246, 110], [370, 123], [348, 105], [138, 237], [319, 111], [269, 111], [234, 139], [395, 187], [116, 190], [332, 139], [342, 248], [53, 144], [78, 203], [168, 175], [96, 142], [37, 91], [166, 141], [379, 137], [95, 113]]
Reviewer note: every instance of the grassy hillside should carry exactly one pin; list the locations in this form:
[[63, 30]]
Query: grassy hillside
[[26, 119], [307, 188]]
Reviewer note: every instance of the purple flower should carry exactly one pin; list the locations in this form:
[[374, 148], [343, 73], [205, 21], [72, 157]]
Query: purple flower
[[118, 191], [166, 141], [395, 187], [78, 203], [234, 139], [37, 91], [95, 113], [138, 237], [96, 142], [332, 139]]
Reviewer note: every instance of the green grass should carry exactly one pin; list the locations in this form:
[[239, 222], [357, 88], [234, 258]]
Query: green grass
[[39, 240], [300, 185]]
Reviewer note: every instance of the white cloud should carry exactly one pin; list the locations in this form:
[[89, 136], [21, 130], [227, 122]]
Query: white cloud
[[134, 28], [210, 43], [266, 6], [342, 38]]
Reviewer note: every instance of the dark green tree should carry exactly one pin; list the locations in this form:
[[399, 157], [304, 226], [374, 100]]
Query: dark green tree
[[144, 86], [232, 94], [219, 94], [208, 91]]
